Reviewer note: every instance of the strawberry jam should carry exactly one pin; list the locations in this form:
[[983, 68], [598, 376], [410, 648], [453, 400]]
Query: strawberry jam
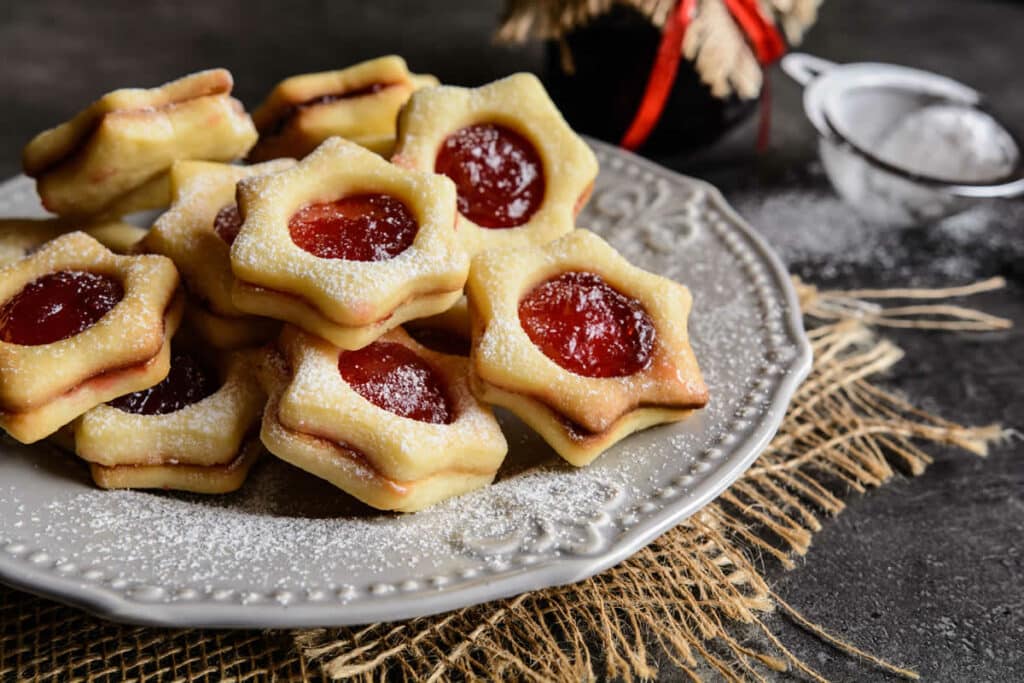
[[579, 321], [189, 381], [364, 227], [227, 223], [393, 377], [57, 306], [498, 174]]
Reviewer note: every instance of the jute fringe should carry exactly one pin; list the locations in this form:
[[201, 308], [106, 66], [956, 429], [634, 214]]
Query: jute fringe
[[853, 305], [694, 596]]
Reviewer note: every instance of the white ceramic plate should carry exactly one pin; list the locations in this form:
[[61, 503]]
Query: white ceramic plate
[[289, 550]]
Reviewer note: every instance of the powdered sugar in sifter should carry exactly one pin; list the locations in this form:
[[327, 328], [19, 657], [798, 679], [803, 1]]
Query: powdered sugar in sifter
[[905, 146]]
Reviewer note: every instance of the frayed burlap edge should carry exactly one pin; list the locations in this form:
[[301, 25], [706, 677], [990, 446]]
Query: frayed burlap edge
[[693, 596]]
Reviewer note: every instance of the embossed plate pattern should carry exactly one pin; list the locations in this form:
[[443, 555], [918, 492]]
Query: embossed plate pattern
[[290, 551]]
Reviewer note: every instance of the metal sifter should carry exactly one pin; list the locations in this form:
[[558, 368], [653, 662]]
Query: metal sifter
[[905, 146]]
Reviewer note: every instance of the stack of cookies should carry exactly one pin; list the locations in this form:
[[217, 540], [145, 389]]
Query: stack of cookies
[[392, 258]]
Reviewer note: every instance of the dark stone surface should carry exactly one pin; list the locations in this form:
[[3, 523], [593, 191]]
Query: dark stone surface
[[924, 572]]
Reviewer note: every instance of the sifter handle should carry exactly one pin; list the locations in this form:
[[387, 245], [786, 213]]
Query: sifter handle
[[804, 68]]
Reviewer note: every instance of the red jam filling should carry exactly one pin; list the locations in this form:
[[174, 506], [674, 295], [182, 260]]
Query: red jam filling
[[588, 327], [227, 223], [189, 381], [393, 377], [57, 306], [363, 227], [498, 174]]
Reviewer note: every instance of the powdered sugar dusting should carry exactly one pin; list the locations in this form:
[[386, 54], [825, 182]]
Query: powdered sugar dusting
[[814, 229], [291, 528]]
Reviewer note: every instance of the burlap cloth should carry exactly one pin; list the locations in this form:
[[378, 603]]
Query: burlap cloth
[[693, 596]]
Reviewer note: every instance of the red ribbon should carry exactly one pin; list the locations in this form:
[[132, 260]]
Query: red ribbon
[[764, 38], [663, 75]]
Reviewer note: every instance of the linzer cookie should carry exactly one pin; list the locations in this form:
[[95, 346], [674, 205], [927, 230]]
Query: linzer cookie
[[581, 345], [359, 103], [194, 431], [79, 326], [521, 173], [346, 245], [112, 157], [393, 424]]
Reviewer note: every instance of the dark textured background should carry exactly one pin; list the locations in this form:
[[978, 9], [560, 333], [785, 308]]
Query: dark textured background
[[926, 572]]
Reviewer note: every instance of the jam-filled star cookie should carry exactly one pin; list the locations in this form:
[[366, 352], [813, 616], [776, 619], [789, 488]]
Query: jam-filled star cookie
[[393, 424], [80, 325], [581, 345], [197, 233], [19, 237], [110, 159], [359, 103], [346, 245], [194, 431], [522, 174]]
